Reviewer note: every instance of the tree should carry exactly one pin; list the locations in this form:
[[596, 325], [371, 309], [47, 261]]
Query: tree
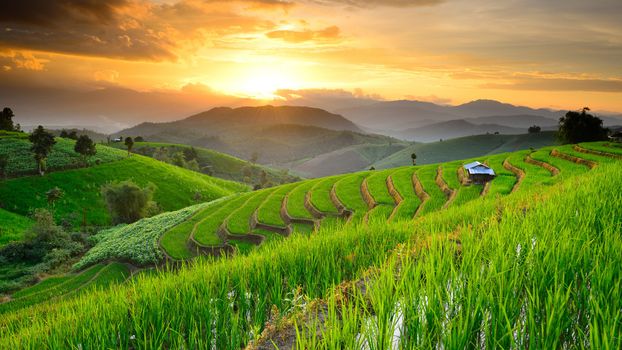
[[139, 139], [64, 134], [534, 129], [254, 157], [4, 163], [126, 201], [372, 168], [129, 143], [42, 143], [413, 156], [6, 119], [581, 126], [85, 147], [54, 195]]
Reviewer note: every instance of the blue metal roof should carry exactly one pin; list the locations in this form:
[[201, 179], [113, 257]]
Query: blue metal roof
[[479, 169]]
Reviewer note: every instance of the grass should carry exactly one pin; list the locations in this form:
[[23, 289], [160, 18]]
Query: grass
[[53, 290], [607, 147], [296, 200], [534, 280], [403, 182], [504, 181], [207, 229], [348, 190], [114, 273], [176, 188], [175, 241], [12, 226], [377, 187], [21, 161], [269, 212], [546, 277], [238, 221], [464, 194], [534, 175], [566, 168], [137, 242], [320, 195], [426, 175], [466, 147], [568, 149]]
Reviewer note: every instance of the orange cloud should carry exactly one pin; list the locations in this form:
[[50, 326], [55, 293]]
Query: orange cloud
[[293, 36]]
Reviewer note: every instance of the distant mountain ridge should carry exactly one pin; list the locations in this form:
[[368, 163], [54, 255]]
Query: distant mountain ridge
[[278, 134], [426, 121]]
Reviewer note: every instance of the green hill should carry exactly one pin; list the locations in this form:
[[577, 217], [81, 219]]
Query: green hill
[[473, 268], [175, 188], [466, 147], [218, 164]]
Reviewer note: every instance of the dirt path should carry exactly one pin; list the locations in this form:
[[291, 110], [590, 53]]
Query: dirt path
[[588, 163], [594, 152], [420, 192], [519, 173], [553, 170], [449, 192]]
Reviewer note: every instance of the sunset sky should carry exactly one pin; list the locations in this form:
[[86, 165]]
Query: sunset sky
[[559, 54]]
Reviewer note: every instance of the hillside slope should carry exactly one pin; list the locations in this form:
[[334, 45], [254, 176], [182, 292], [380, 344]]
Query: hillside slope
[[278, 135], [466, 147], [175, 188], [217, 164], [468, 252]]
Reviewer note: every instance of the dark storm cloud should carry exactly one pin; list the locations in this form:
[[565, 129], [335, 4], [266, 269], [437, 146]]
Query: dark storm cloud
[[46, 13]]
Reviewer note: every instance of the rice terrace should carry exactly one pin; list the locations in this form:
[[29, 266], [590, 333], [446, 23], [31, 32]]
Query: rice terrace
[[261, 175]]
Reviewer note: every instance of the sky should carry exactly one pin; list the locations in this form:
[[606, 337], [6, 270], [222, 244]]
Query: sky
[[562, 54]]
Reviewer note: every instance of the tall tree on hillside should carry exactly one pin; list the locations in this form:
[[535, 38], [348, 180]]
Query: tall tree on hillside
[[129, 143], [413, 156], [581, 126], [85, 147], [42, 143], [6, 119], [534, 129]]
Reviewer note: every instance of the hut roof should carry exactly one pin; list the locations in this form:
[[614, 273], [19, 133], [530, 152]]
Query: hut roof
[[479, 169]]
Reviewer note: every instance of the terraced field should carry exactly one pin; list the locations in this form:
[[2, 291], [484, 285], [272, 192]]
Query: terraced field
[[350, 214], [242, 222]]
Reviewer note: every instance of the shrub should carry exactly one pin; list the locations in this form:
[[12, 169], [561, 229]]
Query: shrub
[[126, 201]]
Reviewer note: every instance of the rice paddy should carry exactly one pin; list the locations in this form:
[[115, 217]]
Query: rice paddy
[[474, 274]]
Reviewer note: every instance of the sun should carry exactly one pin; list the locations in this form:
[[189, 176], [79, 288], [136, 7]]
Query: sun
[[262, 83]]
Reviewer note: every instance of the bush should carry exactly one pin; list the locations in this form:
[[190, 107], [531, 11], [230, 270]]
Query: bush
[[127, 202]]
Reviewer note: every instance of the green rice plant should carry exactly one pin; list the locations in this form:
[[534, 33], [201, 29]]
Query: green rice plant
[[206, 232], [504, 180], [320, 195], [296, 200], [607, 147], [403, 182], [534, 175], [377, 186], [175, 241], [566, 168], [269, 212], [137, 242], [50, 290], [495, 289], [348, 190], [176, 188], [12, 226], [238, 221], [48, 283], [563, 275], [302, 228], [427, 176], [598, 159], [113, 273]]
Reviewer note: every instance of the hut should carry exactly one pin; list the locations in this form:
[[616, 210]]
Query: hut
[[479, 173], [616, 136]]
